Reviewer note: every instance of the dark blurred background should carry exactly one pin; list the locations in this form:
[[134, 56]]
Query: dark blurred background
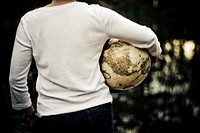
[[169, 98]]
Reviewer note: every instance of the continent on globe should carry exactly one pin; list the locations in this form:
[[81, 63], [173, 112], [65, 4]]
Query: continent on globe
[[123, 65]]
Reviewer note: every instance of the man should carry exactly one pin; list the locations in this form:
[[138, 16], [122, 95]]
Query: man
[[66, 38]]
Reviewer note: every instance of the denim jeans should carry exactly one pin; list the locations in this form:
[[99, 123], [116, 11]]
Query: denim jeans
[[98, 119]]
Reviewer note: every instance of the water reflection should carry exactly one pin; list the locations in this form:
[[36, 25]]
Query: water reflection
[[162, 102]]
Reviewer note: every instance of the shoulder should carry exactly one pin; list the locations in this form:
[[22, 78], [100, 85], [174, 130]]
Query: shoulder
[[98, 7], [101, 11], [29, 14]]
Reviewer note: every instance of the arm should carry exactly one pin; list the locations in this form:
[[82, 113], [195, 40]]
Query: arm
[[117, 26], [19, 68]]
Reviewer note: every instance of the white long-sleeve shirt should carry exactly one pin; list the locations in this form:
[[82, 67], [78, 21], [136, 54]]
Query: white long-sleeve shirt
[[66, 42]]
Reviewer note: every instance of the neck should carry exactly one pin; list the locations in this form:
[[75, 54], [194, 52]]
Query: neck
[[60, 2]]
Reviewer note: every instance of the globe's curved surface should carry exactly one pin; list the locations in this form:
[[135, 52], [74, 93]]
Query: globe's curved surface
[[123, 65]]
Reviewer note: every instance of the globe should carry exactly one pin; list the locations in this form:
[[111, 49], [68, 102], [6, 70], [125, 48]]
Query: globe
[[123, 65]]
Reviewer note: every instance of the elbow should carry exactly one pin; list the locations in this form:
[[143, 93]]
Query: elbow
[[15, 81], [11, 81]]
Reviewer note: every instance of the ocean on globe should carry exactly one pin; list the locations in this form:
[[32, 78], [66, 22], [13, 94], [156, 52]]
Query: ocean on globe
[[123, 65]]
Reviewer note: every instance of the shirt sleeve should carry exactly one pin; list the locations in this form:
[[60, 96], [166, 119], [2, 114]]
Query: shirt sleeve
[[117, 26], [19, 68]]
